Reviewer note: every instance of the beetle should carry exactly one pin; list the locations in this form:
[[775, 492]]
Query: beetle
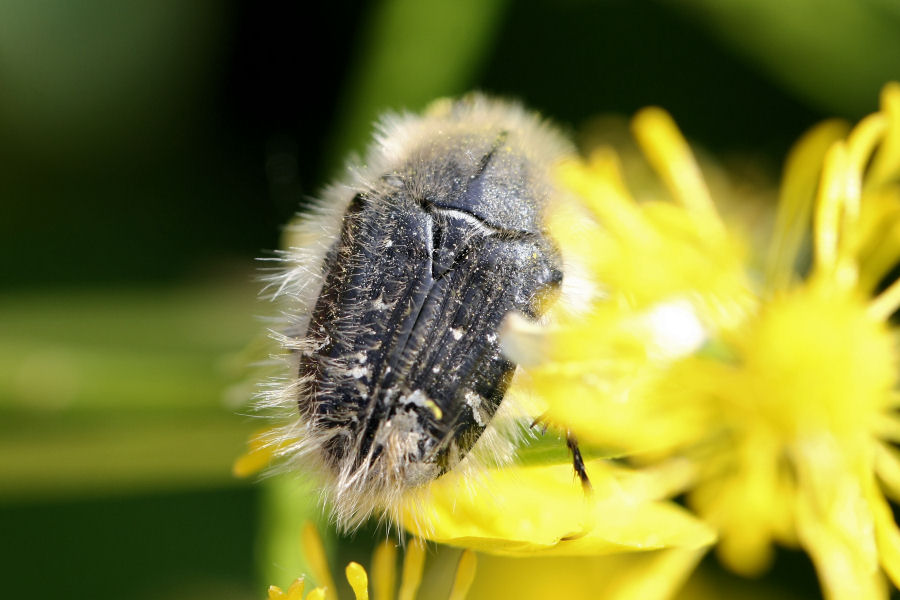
[[396, 287]]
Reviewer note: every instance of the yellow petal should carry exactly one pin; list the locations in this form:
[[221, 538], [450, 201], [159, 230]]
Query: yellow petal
[[887, 466], [660, 576], [652, 575], [836, 519], [860, 145], [662, 480], [251, 463], [314, 552], [465, 575], [258, 456], [275, 593], [798, 186], [744, 503], [671, 157], [886, 163], [886, 303], [626, 250], [295, 592], [600, 186], [829, 208], [262, 447], [862, 141], [384, 571], [879, 235], [887, 535], [358, 580], [413, 563], [627, 401], [842, 573], [543, 510]]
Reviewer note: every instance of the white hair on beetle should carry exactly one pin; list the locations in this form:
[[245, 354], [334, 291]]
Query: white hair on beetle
[[382, 483]]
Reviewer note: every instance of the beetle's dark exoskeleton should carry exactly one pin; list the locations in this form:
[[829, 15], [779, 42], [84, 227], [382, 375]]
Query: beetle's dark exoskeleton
[[396, 287]]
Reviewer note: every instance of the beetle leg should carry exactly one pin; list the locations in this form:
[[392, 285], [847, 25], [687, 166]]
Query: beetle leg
[[578, 463]]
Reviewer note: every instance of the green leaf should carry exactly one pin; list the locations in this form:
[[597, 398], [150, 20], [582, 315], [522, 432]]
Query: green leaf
[[550, 449]]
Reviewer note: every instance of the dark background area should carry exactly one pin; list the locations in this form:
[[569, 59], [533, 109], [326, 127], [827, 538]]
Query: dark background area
[[199, 159], [150, 151]]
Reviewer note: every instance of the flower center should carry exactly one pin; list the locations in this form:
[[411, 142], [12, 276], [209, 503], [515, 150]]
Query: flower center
[[814, 359]]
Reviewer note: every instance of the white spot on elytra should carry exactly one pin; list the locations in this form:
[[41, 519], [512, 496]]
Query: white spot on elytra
[[379, 303], [418, 398], [360, 372], [402, 432], [474, 402], [456, 333]]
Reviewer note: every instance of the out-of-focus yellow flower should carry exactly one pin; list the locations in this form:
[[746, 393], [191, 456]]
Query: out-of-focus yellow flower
[[262, 449], [384, 576], [776, 386], [639, 576]]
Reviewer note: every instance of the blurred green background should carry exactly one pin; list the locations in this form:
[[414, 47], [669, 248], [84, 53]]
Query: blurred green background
[[150, 150]]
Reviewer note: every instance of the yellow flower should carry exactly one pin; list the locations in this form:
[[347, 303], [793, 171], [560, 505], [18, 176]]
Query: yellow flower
[[383, 570], [638, 576], [649, 545], [776, 386], [543, 511], [261, 452]]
